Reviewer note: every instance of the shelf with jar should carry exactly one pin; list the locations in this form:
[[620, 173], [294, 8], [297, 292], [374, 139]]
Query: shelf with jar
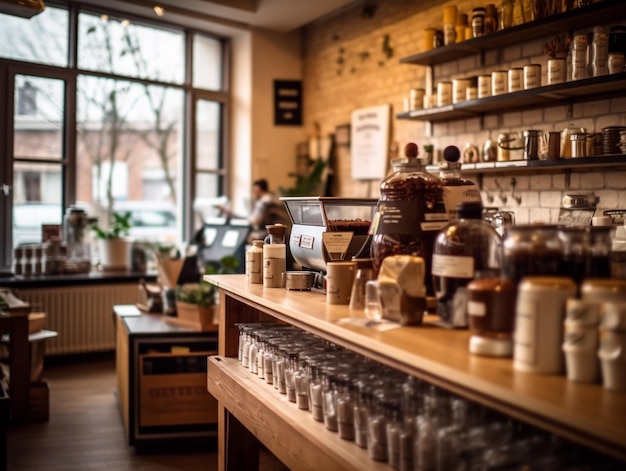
[[596, 13], [585, 413], [583, 90], [531, 166]]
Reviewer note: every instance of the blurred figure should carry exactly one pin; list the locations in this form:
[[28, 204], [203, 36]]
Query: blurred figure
[[267, 209]]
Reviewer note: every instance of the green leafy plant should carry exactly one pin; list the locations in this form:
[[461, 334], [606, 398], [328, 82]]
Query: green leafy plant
[[120, 227], [310, 184], [203, 293]]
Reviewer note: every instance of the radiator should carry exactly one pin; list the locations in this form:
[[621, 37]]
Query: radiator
[[81, 315]]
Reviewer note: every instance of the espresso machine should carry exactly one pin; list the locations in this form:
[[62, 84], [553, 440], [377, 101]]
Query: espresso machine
[[328, 229]]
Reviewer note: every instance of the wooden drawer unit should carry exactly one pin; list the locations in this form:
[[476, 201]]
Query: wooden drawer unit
[[161, 376]]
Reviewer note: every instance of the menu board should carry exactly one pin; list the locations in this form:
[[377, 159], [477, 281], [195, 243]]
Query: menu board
[[370, 142]]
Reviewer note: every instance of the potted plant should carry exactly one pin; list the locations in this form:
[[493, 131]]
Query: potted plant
[[114, 248], [195, 302]]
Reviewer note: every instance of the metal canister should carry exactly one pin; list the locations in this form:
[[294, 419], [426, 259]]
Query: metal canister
[[579, 144]]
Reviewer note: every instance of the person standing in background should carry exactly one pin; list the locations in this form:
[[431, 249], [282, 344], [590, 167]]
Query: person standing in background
[[267, 210]]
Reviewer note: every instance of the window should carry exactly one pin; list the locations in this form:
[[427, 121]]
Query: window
[[35, 40], [111, 132]]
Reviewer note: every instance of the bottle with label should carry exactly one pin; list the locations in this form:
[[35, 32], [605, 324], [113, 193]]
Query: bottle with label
[[410, 212], [460, 252], [254, 263], [456, 189]]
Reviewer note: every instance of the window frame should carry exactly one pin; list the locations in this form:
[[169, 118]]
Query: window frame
[[70, 74]]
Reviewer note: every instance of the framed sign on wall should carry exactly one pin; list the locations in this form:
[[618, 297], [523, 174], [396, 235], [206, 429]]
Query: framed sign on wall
[[370, 142], [288, 102]]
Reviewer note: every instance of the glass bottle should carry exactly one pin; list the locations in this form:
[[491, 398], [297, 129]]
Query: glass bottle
[[586, 251], [377, 427], [461, 250], [434, 416], [254, 263], [344, 403], [599, 52], [531, 250], [410, 212], [491, 19], [290, 372], [364, 273], [456, 189], [505, 14], [478, 22]]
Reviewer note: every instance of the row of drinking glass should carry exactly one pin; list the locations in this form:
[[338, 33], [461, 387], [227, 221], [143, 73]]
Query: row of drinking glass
[[401, 420]]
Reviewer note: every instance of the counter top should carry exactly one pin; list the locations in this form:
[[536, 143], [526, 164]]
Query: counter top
[[91, 278], [586, 413]]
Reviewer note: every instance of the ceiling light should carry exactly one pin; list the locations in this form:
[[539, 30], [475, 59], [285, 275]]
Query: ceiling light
[[125, 23], [160, 11], [104, 18]]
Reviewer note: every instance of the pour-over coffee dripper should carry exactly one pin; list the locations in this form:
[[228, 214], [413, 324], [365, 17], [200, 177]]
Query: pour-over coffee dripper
[[276, 234]]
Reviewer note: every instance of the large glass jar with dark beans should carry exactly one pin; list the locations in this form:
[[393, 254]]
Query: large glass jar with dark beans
[[531, 250], [586, 252], [462, 250], [410, 212]]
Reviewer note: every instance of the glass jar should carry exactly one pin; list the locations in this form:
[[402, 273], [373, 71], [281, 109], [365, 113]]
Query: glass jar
[[460, 251], [344, 403], [505, 14], [491, 19], [599, 52], [410, 212], [290, 372], [531, 250], [392, 406], [377, 427], [329, 390], [491, 315], [456, 189], [434, 416], [364, 273], [586, 251], [478, 22]]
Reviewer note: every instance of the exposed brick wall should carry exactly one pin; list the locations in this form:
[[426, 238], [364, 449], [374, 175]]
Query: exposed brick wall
[[339, 77]]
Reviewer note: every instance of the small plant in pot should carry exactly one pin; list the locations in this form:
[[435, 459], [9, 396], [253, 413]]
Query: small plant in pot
[[196, 302], [114, 248]]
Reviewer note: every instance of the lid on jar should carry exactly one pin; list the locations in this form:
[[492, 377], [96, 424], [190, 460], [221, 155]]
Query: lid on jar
[[494, 283], [258, 243], [547, 282], [469, 210], [479, 10]]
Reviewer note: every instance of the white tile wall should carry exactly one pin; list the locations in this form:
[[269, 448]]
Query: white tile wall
[[541, 193]]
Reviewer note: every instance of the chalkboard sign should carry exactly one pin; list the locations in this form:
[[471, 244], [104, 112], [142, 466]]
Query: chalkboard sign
[[288, 102]]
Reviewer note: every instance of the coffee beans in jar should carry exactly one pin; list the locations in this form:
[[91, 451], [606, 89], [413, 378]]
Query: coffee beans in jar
[[410, 212]]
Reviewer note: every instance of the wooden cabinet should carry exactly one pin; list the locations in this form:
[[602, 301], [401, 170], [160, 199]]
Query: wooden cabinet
[[161, 378], [250, 410]]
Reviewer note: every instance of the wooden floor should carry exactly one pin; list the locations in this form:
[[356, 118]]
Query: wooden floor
[[85, 430]]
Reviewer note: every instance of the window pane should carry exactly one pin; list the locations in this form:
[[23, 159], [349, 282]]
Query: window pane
[[42, 39], [208, 132], [117, 46], [38, 118], [208, 185], [129, 147], [207, 62], [36, 201]]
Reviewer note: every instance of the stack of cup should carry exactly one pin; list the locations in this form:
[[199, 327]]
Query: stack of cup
[[580, 342], [612, 351]]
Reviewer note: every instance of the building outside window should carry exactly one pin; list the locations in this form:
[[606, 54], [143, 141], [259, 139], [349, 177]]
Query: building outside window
[[113, 122]]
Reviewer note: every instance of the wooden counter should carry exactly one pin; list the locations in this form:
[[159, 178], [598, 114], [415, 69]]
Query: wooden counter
[[584, 413]]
